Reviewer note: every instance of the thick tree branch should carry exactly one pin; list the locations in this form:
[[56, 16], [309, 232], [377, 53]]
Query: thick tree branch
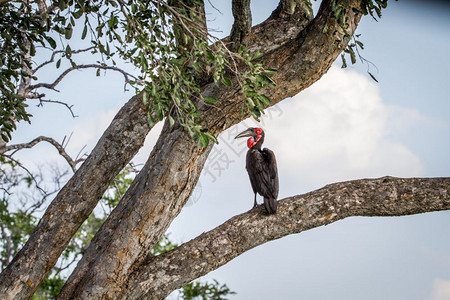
[[387, 196], [242, 25], [72, 163]]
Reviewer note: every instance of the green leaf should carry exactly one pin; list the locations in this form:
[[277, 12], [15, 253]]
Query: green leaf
[[360, 44], [227, 81], [145, 98], [352, 55], [257, 55], [78, 13], [150, 120], [51, 42], [69, 31], [5, 137], [68, 51], [32, 50], [344, 62], [373, 77], [84, 33], [204, 140], [271, 71], [210, 99], [264, 99], [171, 121], [210, 55], [250, 102], [58, 63], [112, 22], [211, 137]]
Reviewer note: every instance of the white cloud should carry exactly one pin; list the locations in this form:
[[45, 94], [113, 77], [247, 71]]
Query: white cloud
[[441, 289], [338, 129]]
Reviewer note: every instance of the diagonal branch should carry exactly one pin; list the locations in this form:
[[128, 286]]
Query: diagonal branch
[[58, 146], [387, 196]]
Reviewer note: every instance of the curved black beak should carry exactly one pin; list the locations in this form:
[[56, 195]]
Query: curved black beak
[[246, 133]]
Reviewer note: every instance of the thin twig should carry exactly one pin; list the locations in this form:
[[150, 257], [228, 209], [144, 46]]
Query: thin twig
[[52, 58], [209, 1], [52, 86], [39, 139], [33, 178], [69, 107]]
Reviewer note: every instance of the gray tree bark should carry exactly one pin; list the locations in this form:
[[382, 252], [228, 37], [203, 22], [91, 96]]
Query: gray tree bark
[[157, 276], [116, 264]]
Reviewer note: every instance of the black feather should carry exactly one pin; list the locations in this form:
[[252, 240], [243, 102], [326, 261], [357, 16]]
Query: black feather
[[262, 169]]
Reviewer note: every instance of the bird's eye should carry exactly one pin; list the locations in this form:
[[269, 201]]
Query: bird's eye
[[258, 130]]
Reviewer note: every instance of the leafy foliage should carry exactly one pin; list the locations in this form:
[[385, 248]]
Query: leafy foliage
[[354, 46], [167, 41], [16, 225], [12, 53], [204, 291]]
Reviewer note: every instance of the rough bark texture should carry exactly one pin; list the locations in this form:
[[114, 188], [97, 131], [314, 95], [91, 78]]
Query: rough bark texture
[[302, 52], [387, 196], [75, 202], [154, 198], [242, 24]]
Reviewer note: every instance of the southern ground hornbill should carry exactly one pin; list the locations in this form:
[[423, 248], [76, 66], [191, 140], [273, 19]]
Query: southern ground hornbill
[[262, 168]]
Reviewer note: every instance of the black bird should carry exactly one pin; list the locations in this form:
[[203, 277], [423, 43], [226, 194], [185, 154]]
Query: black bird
[[262, 168]]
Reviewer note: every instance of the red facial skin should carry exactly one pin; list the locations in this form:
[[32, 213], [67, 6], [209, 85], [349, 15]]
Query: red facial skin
[[253, 141]]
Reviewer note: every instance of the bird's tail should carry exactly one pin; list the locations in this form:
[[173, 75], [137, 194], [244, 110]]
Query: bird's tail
[[271, 205]]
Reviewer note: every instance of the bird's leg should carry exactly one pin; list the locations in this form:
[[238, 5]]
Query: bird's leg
[[255, 204]]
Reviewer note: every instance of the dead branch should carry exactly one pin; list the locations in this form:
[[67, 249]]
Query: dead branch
[[69, 107], [52, 58], [30, 174], [52, 86], [72, 163]]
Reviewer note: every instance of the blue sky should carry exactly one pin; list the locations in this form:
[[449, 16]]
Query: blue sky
[[346, 126]]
